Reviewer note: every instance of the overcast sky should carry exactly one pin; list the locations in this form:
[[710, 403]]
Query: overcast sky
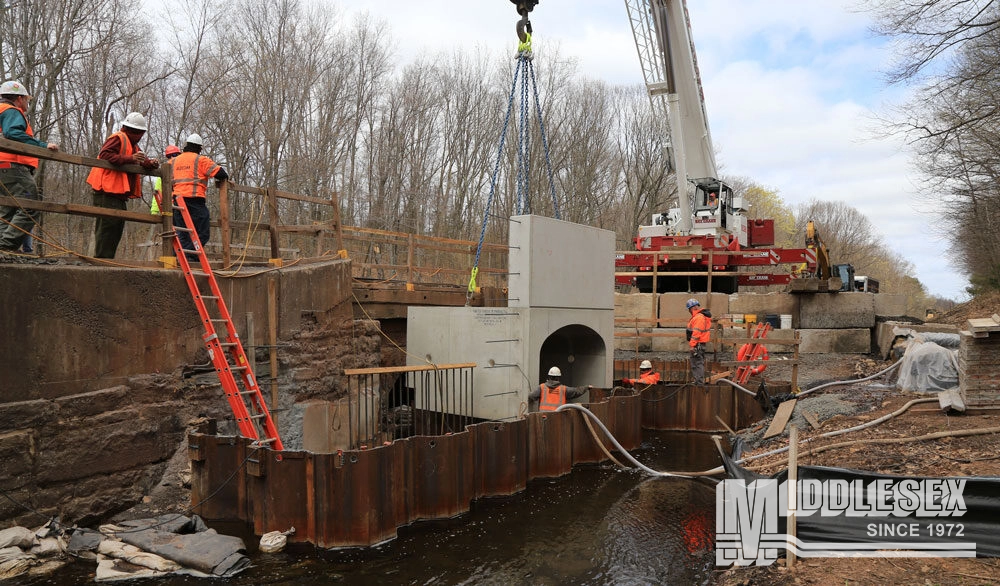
[[791, 86]]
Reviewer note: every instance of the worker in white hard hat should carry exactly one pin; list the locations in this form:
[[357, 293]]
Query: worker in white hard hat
[[646, 376], [113, 188], [552, 393], [17, 171], [192, 170], [699, 332]]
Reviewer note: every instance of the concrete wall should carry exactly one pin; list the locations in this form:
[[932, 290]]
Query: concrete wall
[[672, 306], [513, 348], [560, 264], [87, 328], [837, 311]]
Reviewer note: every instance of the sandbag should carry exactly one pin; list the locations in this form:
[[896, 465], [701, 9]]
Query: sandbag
[[17, 537]]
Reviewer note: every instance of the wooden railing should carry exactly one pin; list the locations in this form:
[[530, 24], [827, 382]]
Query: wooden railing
[[251, 230]]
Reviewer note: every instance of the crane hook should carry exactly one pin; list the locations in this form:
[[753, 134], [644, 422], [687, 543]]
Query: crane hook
[[524, 6]]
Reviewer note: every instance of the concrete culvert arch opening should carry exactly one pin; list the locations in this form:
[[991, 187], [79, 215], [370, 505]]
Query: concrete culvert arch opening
[[578, 351]]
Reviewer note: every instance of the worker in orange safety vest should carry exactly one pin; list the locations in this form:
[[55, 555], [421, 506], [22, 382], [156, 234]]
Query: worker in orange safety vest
[[699, 330], [552, 393], [646, 376], [192, 172]]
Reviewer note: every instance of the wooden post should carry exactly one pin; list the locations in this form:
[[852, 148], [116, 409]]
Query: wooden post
[[272, 337], [795, 363], [224, 223], [167, 209], [708, 284], [251, 345], [656, 262], [793, 478], [409, 261], [338, 230], [272, 222]]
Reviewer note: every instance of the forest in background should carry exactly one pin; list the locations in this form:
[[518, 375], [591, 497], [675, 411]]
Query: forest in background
[[290, 95]]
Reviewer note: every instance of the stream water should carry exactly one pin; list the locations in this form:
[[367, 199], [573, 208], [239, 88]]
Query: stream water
[[597, 525]]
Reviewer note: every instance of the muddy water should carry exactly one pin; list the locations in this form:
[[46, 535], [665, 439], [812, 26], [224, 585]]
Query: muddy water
[[597, 525]]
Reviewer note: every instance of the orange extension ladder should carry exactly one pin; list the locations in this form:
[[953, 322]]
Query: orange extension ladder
[[247, 402], [756, 351]]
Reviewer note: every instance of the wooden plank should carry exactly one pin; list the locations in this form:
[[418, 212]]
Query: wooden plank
[[781, 418], [79, 210], [811, 418], [719, 376], [400, 369]]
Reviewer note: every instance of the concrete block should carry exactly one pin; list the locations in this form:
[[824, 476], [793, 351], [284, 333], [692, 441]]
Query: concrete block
[[636, 341], [544, 251], [673, 312], [837, 311], [838, 341], [675, 342], [636, 306], [886, 333], [761, 304], [887, 305]]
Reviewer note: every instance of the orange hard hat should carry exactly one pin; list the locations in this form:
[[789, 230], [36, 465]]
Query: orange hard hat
[[172, 150]]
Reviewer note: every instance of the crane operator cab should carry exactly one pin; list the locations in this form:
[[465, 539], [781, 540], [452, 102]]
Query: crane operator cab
[[714, 203]]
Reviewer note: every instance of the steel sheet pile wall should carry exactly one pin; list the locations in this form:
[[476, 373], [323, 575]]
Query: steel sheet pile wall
[[360, 498], [695, 407]]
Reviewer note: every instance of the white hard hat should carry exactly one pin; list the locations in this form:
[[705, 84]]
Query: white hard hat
[[194, 138], [14, 88], [645, 364], [135, 120], [554, 371]]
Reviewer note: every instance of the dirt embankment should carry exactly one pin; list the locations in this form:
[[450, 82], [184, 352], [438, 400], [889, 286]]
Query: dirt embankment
[[899, 446]]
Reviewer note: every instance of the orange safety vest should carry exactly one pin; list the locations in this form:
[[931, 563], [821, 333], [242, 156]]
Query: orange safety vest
[[191, 174], [110, 181], [701, 327], [647, 378], [11, 157], [551, 398]]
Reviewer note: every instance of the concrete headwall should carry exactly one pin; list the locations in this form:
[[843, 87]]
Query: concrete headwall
[[837, 311], [72, 329]]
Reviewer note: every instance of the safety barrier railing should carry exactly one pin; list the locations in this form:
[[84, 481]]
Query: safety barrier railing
[[390, 403], [270, 225]]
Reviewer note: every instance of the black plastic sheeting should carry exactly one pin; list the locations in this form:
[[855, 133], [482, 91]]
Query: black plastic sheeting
[[979, 525], [188, 542]]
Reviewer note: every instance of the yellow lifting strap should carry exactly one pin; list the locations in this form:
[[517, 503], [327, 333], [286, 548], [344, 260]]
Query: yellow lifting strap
[[472, 280]]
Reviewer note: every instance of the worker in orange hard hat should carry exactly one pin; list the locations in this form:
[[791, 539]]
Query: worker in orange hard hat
[[699, 332], [154, 207], [552, 394], [646, 376]]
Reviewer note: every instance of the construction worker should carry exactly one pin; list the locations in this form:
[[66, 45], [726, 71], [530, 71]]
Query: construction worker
[[552, 393], [646, 376], [154, 206], [192, 170], [699, 330], [112, 188], [17, 171]]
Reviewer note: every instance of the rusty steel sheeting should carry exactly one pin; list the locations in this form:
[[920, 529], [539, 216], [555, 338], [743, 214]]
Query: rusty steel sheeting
[[288, 474], [625, 420], [695, 407], [585, 449], [501, 457], [550, 444], [219, 458], [361, 497], [442, 475]]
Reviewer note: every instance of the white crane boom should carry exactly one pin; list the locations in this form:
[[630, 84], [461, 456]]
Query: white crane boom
[[662, 33]]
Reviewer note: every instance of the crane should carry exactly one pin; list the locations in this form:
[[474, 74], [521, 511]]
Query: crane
[[709, 217]]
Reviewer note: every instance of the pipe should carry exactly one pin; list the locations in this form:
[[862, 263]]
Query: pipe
[[852, 381], [586, 412], [738, 387]]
